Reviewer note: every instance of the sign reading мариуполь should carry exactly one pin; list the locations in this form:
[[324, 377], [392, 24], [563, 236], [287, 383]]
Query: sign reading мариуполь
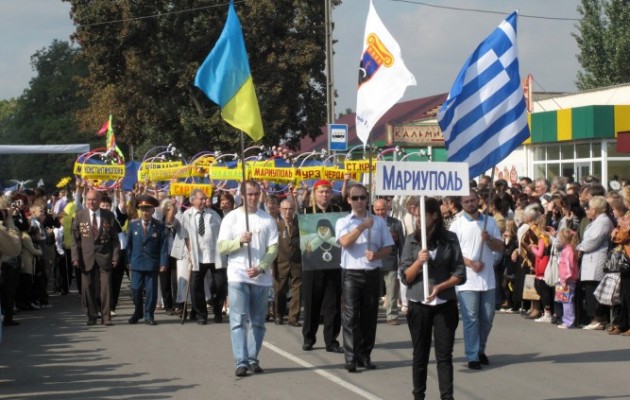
[[421, 178]]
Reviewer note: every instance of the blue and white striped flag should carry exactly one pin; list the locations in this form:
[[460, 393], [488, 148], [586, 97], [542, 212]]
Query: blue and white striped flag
[[484, 117]]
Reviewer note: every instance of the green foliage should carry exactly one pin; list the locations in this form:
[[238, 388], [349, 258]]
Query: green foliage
[[604, 42], [44, 114], [141, 70]]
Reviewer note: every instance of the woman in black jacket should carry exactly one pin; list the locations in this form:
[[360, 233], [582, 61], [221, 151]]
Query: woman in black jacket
[[434, 312]]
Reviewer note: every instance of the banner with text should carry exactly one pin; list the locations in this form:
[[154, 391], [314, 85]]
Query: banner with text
[[422, 178]]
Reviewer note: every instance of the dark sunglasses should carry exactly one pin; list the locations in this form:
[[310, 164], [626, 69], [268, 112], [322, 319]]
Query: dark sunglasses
[[357, 198]]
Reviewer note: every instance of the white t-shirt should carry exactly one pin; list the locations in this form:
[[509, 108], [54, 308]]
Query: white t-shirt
[[468, 233], [264, 234], [353, 257]]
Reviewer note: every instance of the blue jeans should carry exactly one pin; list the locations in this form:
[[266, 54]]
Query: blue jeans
[[477, 309], [248, 306]]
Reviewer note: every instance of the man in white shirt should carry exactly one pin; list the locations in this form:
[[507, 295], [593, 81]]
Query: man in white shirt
[[201, 230], [365, 241], [249, 237], [478, 238]]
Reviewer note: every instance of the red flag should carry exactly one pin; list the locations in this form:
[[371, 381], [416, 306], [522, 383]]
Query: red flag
[[103, 129]]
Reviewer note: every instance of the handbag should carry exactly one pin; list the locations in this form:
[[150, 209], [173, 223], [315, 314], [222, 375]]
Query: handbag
[[617, 261], [563, 296], [608, 291], [551, 272], [529, 288]]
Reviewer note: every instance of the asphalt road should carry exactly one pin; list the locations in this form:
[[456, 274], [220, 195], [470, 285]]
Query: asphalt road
[[54, 355]]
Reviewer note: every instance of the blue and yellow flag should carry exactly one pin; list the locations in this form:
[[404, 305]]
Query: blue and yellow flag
[[226, 79]]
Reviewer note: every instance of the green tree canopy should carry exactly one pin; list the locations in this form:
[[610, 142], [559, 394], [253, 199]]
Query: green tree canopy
[[604, 41], [143, 57]]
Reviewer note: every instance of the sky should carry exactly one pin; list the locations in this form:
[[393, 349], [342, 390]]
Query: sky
[[434, 41]]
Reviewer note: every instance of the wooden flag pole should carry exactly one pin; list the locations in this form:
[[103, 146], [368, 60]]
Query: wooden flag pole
[[244, 196], [487, 211]]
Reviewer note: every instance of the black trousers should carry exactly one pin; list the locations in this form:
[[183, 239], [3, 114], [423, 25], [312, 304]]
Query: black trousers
[[118, 274], [321, 295], [441, 321], [62, 280], [198, 294], [623, 317], [360, 294], [10, 279]]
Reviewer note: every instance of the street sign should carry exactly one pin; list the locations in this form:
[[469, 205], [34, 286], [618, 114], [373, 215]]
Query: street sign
[[338, 137]]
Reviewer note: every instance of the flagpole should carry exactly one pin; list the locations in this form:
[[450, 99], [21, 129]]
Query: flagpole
[[369, 192], [244, 196], [487, 210]]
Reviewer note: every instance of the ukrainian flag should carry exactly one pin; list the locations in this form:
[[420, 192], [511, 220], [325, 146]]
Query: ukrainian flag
[[226, 79]]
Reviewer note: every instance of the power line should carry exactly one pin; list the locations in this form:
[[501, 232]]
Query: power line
[[158, 15], [478, 10]]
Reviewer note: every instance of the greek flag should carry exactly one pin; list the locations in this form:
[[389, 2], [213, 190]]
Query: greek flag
[[484, 117]]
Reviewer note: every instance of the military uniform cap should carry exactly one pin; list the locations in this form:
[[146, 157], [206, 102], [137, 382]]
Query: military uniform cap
[[146, 201]]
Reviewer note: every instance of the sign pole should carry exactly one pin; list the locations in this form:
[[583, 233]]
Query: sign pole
[[244, 196]]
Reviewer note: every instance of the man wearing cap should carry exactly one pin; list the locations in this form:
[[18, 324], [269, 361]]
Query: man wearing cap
[[321, 288], [148, 254], [95, 249], [364, 241]]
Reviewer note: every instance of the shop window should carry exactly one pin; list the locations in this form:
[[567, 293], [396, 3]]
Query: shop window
[[597, 169], [553, 152], [619, 168], [566, 152], [539, 153], [583, 150], [597, 150], [553, 170], [568, 170], [612, 150], [539, 171]]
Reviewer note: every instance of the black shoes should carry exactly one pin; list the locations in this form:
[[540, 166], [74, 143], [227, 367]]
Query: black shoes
[[307, 347], [133, 320], [351, 366], [278, 321], [366, 363], [483, 359], [150, 322], [474, 365], [240, 371], [256, 368], [218, 318], [202, 321], [334, 348], [91, 322]]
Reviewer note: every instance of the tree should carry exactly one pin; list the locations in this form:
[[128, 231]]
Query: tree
[[604, 43], [141, 69], [45, 114]]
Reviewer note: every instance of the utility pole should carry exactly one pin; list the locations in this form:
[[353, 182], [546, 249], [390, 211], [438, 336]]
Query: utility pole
[[330, 85]]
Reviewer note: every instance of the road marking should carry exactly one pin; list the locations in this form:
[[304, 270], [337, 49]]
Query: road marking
[[327, 375]]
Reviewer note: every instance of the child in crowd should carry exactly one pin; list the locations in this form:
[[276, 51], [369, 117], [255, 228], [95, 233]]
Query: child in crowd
[[510, 240], [568, 272]]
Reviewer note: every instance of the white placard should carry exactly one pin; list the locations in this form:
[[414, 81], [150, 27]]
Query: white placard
[[422, 178]]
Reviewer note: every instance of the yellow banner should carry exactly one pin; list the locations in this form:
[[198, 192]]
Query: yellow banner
[[184, 189], [271, 173], [205, 162], [166, 174], [226, 174], [308, 173], [338, 174], [360, 166], [143, 171], [99, 171]]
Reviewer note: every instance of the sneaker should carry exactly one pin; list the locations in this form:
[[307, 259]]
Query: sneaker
[[112, 313], [241, 371], [594, 326], [255, 368], [563, 326], [544, 318]]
